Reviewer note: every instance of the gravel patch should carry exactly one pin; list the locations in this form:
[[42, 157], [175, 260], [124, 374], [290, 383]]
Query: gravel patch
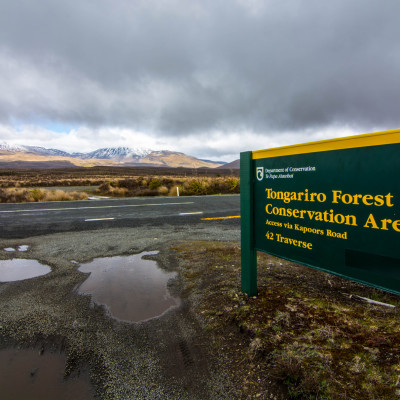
[[164, 358]]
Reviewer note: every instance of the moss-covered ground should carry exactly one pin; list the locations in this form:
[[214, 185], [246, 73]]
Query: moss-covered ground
[[307, 335]]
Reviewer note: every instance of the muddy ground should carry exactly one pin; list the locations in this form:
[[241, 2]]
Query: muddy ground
[[164, 358], [307, 335]]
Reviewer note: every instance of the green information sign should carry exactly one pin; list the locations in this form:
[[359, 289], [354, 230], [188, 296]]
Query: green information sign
[[333, 205]]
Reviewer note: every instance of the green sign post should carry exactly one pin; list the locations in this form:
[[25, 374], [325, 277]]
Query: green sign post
[[333, 205]]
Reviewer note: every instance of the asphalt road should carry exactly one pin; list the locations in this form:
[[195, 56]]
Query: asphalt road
[[31, 219]]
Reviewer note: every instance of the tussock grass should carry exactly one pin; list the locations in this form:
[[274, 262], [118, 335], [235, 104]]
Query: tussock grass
[[303, 333], [124, 181], [163, 186], [98, 175], [19, 195]]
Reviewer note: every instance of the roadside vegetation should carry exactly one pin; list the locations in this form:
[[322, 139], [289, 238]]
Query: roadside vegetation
[[38, 185], [163, 186], [307, 335], [20, 195]]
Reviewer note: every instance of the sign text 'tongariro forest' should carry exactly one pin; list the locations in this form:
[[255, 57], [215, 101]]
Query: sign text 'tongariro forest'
[[333, 205]]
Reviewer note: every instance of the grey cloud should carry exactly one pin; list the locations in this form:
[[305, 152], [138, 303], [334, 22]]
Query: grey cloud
[[175, 70]]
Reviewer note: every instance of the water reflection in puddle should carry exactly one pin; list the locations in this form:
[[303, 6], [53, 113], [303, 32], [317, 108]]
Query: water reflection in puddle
[[19, 269], [131, 288], [22, 248], [26, 375]]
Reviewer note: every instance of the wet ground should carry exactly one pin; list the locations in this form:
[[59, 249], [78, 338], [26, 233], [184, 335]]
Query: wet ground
[[19, 269], [307, 334], [131, 288], [166, 357], [27, 374]]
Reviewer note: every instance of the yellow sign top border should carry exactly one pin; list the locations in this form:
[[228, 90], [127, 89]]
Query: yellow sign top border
[[348, 142]]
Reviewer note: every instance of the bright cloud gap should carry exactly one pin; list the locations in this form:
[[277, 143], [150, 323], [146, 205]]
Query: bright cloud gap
[[226, 146], [209, 78]]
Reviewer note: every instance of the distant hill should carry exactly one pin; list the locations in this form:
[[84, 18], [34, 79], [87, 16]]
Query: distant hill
[[215, 162], [35, 164], [46, 152], [115, 153], [232, 165], [111, 156], [167, 158]]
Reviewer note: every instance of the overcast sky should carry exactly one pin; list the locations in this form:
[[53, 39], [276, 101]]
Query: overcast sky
[[210, 78]]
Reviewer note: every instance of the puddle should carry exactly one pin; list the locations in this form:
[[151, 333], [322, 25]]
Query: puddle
[[23, 247], [19, 269], [132, 289], [26, 375]]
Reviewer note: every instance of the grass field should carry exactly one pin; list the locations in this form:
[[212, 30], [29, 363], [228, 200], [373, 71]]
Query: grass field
[[77, 183]]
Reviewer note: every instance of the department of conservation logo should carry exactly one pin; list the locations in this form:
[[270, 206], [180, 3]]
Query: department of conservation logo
[[260, 173]]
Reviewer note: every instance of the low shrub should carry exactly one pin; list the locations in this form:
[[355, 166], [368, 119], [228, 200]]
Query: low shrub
[[152, 186], [14, 196], [37, 194], [163, 190], [17, 195], [60, 195]]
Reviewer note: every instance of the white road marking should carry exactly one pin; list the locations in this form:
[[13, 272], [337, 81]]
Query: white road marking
[[98, 219], [95, 207], [98, 197], [191, 213]]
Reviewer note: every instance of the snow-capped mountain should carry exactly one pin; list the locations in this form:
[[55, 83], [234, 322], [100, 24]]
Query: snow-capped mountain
[[47, 152], [116, 153], [4, 146], [104, 153], [104, 156]]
